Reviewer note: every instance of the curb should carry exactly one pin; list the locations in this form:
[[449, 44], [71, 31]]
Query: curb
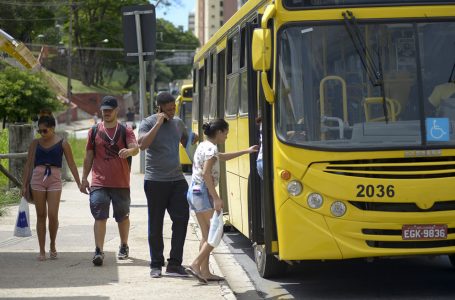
[[226, 291]]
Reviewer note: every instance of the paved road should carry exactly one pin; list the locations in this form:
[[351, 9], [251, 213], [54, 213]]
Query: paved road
[[404, 278]]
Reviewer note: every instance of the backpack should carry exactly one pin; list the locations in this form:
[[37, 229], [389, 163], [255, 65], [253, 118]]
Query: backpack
[[122, 135]]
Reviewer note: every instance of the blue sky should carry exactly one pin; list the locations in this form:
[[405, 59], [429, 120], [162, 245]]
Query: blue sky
[[176, 14]]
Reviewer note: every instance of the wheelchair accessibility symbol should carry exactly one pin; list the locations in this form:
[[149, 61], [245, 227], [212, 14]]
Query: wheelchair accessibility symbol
[[437, 129]]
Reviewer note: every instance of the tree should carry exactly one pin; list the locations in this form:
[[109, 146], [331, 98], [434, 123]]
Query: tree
[[23, 94], [25, 21], [94, 22], [175, 39]]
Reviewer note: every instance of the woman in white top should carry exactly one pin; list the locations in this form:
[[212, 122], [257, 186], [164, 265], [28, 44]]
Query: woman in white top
[[202, 195]]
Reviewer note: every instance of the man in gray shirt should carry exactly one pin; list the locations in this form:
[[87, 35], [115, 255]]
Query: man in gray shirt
[[164, 184]]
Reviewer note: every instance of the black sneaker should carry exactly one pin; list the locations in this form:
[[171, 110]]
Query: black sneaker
[[123, 252], [176, 271], [155, 272], [98, 258]]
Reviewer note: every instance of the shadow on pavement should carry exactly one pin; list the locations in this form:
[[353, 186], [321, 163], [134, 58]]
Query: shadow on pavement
[[71, 269], [63, 298]]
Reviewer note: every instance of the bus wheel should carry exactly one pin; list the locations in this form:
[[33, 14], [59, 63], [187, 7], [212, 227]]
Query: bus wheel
[[452, 259], [267, 264], [186, 168]]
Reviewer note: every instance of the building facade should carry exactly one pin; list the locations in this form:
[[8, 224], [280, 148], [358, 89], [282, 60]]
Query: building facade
[[210, 15], [191, 23]]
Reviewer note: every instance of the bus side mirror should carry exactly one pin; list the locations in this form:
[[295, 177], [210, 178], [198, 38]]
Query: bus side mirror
[[262, 49]]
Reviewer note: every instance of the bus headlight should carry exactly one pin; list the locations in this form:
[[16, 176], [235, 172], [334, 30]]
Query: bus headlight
[[338, 208], [294, 188], [315, 200]]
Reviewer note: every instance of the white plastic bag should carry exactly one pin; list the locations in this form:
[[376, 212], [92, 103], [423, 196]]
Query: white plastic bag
[[216, 229], [22, 227]]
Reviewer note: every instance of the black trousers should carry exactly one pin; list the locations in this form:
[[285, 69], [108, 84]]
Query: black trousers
[[170, 196]]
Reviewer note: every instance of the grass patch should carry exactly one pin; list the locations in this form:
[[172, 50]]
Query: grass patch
[[79, 87], [78, 148], [4, 162], [8, 197]]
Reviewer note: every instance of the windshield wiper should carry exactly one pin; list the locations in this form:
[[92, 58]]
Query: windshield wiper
[[374, 72], [451, 77]]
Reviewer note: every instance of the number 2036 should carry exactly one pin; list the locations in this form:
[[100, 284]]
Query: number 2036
[[375, 191]]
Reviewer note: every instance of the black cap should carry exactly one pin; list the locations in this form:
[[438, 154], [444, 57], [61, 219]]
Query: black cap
[[108, 102]]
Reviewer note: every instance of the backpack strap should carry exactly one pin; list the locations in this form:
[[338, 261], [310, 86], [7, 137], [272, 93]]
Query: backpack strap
[[92, 138], [123, 136]]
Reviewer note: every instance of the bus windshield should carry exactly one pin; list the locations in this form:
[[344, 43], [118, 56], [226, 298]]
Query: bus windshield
[[326, 98]]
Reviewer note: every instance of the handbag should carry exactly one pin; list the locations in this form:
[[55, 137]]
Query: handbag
[[28, 195], [22, 227], [216, 229]]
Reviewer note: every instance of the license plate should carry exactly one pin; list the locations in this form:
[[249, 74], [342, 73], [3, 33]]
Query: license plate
[[424, 232]]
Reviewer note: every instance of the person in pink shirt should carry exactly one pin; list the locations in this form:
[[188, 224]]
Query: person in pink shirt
[[109, 146]]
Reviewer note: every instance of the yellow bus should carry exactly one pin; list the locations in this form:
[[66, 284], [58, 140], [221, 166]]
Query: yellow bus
[[357, 99], [183, 111]]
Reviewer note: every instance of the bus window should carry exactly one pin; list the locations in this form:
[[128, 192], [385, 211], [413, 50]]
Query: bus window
[[213, 88], [206, 92], [196, 96], [244, 92], [234, 54], [232, 103], [187, 93], [242, 51]]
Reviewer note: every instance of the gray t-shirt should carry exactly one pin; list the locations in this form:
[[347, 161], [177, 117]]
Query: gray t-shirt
[[162, 161]]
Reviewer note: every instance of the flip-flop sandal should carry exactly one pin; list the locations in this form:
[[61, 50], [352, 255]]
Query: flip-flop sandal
[[41, 257], [53, 254], [215, 278], [201, 279]]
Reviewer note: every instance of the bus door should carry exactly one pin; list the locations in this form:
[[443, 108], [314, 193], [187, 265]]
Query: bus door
[[244, 131], [255, 210], [232, 117], [220, 96]]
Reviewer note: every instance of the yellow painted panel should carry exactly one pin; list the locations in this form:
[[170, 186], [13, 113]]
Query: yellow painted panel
[[303, 234], [184, 159], [244, 202], [231, 145], [243, 143], [235, 206]]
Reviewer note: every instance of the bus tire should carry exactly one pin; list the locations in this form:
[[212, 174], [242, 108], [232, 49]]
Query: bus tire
[[267, 264], [186, 168], [452, 259]]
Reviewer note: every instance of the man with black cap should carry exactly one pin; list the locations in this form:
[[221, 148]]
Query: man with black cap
[[164, 184], [109, 145]]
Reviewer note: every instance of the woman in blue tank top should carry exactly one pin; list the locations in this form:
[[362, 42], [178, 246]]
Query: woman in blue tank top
[[43, 171]]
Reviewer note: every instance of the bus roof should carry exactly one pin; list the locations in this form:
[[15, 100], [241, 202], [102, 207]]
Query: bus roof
[[249, 6]]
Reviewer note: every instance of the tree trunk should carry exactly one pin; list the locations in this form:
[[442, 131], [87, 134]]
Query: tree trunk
[[20, 137]]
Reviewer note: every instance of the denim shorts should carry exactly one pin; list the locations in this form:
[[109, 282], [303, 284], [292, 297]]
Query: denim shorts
[[198, 198], [100, 200]]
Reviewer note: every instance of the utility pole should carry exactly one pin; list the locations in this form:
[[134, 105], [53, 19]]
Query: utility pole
[[70, 46], [144, 19]]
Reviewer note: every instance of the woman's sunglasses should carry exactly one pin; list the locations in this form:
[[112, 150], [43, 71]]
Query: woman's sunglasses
[[43, 131]]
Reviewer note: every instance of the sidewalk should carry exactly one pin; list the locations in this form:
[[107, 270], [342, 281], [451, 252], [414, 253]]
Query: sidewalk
[[73, 276]]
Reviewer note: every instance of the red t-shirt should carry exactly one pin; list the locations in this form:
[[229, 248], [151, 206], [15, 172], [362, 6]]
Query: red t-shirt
[[108, 169]]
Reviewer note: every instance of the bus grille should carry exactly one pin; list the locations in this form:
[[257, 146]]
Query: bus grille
[[402, 207], [405, 244], [395, 168], [411, 245]]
